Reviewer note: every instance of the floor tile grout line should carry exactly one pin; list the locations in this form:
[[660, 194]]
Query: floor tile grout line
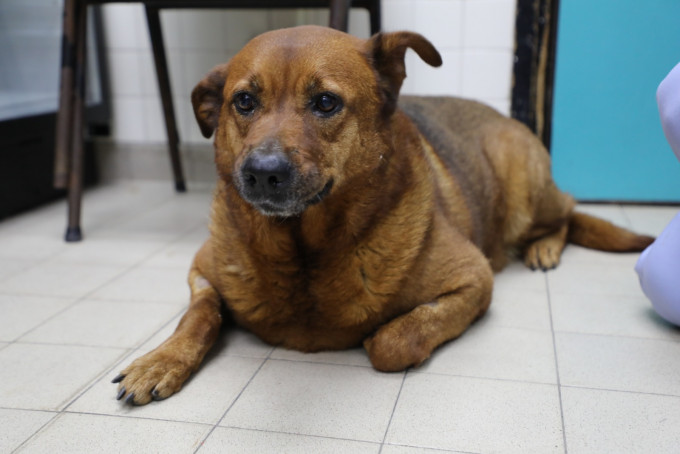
[[479, 377], [619, 336], [44, 322], [20, 270], [443, 451], [557, 367], [135, 213], [70, 345], [139, 418], [47, 423], [394, 409], [281, 432], [88, 192], [59, 414], [623, 391], [250, 380], [325, 363]]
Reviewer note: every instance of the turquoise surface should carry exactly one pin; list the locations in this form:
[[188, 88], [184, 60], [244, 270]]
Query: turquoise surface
[[607, 142]]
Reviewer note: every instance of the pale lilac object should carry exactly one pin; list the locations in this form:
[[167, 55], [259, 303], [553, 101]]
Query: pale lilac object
[[659, 265]]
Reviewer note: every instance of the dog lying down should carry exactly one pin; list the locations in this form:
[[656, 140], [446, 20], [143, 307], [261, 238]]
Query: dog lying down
[[345, 215]]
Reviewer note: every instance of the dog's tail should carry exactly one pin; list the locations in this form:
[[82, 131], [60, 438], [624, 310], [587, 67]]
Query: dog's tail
[[595, 233]]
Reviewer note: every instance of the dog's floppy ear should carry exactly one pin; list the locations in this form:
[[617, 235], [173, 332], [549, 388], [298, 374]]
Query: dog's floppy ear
[[207, 99], [387, 51]]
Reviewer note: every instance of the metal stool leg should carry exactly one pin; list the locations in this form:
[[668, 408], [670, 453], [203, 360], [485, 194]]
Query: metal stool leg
[[374, 13], [339, 14], [65, 113], [75, 179], [154, 23]]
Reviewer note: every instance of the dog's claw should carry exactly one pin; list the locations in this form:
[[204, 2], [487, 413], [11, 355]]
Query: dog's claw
[[118, 379], [130, 399], [154, 395], [121, 393]]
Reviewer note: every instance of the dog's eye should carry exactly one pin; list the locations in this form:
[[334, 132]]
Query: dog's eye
[[326, 104], [244, 102]]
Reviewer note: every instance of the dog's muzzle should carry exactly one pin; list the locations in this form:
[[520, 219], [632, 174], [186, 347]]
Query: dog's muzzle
[[269, 181]]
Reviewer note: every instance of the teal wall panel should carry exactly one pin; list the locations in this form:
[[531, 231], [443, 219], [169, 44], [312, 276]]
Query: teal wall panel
[[607, 142]]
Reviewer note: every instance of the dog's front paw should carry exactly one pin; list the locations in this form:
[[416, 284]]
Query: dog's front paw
[[393, 351], [154, 376]]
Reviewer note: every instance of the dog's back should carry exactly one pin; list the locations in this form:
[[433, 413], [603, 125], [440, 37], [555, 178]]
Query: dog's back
[[504, 173], [451, 126]]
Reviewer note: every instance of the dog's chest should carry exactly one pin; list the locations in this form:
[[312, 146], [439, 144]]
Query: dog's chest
[[312, 302]]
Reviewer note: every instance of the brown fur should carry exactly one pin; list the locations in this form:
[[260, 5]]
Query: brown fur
[[395, 217]]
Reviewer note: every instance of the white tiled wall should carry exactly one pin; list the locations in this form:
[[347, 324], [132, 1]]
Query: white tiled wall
[[475, 38]]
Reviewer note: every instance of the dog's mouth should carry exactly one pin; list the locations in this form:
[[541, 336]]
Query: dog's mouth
[[321, 194], [290, 206]]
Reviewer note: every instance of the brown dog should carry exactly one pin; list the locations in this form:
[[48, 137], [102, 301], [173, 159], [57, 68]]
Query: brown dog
[[341, 218]]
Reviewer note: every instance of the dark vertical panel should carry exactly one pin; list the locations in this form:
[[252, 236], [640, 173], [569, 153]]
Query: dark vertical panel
[[535, 36]]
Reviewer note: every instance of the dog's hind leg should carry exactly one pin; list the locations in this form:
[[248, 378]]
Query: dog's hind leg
[[408, 340], [545, 252], [547, 236], [162, 372]]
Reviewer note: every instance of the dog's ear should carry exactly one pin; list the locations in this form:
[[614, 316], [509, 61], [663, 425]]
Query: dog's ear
[[387, 51], [207, 99]]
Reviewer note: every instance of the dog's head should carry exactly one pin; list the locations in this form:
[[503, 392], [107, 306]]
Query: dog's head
[[298, 112]]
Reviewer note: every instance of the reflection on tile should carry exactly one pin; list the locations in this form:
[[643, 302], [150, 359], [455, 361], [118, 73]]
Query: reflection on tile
[[517, 308], [476, 415], [23, 313], [58, 279], [593, 278], [606, 421], [650, 220], [19, 425], [107, 251], [159, 285], [315, 399], [518, 277], [613, 315], [497, 352], [225, 439], [77, 433], [619, 363], [103, 323], [47, 377]]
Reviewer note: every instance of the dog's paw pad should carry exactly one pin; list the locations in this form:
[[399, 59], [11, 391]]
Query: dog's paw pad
[[154, 376]]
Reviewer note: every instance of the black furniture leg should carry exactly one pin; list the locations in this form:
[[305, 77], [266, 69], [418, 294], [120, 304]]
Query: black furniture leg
[[65, 112], [75, 175], [339, 14], [374, 13], [156, 35]]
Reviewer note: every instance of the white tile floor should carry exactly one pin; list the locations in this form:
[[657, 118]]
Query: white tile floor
[[572, 361]]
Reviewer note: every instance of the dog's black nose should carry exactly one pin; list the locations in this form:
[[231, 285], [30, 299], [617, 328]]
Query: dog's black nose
[[267, 174]]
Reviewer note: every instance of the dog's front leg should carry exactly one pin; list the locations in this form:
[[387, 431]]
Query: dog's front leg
[[408, 340], [162, 372]]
